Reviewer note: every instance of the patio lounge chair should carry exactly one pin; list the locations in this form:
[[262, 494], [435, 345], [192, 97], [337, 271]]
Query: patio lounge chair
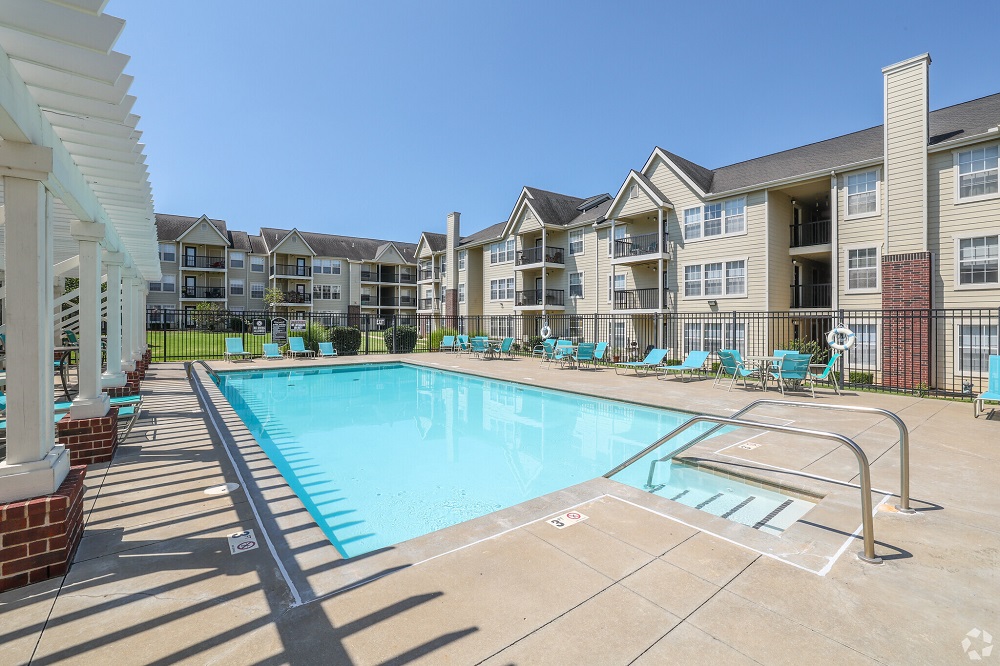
[[462, 343], [794, 367], [599, 353], [730, 364], [695, 362], [297, 348], [506, 348], [271, 351], [992, 393], [826, 372], [448, 342], [234, 350], [71, 338], [584, 354], [327, 350], [653, 360]]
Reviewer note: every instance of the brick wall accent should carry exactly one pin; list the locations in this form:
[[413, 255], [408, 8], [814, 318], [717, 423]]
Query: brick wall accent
[[451, 302], [131, 386], [906, 328], [38, 536], [89, 440]]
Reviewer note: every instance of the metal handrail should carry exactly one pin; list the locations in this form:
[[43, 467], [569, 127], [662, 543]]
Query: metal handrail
[[211, 372], [867, 523]]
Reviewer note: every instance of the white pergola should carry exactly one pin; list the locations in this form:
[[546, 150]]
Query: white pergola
[[76, 200]]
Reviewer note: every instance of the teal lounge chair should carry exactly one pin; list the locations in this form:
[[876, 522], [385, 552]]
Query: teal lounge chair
[[480, 347], [71, 338], [234, 350], [827, 371], [560, 349], [794, 368], [326, 350], [462, 342], [271, 351], [992, 393], [584, 354], [297, 348], [506, 348], [731, 365], [695, 362], [599, 353], [448, 342], [545, 349], [653, 360]]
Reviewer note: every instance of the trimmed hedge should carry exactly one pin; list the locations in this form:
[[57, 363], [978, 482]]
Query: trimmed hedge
[[346, 339], [406, 338]]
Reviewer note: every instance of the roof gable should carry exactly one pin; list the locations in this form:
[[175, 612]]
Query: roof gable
[[388, 253], [212, 224], [294, 233], [644, 185], [549, 208]]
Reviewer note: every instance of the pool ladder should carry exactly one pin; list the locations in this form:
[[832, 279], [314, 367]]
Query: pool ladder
[[864, 471]]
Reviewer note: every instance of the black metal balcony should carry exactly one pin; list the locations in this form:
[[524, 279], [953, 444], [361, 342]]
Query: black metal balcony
[[293, 270], [429, 274], [407, 278], [369, 299], [199, 261], [634, 246], [537, 255], [811, 296], [637, 299], [530, 297], [810, 233], [297, 297], [389, 276], [407, 301], [203, 293], [426, 303]]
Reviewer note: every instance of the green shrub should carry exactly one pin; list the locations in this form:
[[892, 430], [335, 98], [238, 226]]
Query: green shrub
[[820, 353], [861, 378], [345, 339], [673, 361], [406, 338], [533, 341], [315, 334], [435, 339]]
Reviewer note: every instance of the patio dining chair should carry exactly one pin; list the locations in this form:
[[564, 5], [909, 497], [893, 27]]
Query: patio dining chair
[[584, 354], [992, 392], [545, 349], [480, 347], [506, 348], [793, 369], [731, 365], [828, 372]]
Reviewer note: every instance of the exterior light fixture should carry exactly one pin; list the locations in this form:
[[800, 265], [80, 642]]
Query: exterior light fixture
[[713, 303]]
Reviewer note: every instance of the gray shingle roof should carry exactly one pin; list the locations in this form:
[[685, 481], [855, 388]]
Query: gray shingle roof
[[240, 240], [257, 245], [172, 227], [591, 215], [948, 124], [436, 242], [484, 235], [347, 247], [554, 208]]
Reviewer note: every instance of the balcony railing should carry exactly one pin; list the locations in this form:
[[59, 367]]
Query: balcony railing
[[536, 255], [368, 299], [389, 276], [297, 297], [811, 296], [530, 297], [426, 303], [407, 278], [429, 274], [638, 245], [203, 292], [407, 301], [291, 269], [388, 301], [198, 261], [810, 233], [637, 299]]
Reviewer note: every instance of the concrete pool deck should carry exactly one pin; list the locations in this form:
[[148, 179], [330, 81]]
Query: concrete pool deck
[[637, 582]]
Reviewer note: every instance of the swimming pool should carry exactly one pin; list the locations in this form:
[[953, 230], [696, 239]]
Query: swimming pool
[[382, 453]]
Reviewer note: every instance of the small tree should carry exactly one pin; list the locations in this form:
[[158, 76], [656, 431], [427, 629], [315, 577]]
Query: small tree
[[211, 316], [273, 296]]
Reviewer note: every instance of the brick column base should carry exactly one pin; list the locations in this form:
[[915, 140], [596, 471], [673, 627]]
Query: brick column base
[[89, 440], [38, 536], [131, 387], [906, 323]]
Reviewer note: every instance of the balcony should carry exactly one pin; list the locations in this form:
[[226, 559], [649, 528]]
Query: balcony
[[531, 298], [388, 276], [369, 299], [815, 296], [203, 263], [204, 293], [641, 248], [290, 270], [637, 299], [296, 297], [538, 257], [809, 233], [428, 275], [408, 278], [427, 304], [407, 301]]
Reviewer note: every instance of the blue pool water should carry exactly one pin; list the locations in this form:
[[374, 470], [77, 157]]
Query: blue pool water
[[383, 453]]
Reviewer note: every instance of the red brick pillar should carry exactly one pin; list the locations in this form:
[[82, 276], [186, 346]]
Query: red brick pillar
[[451, 303], [89, 440], [38, 536], [906, 324]]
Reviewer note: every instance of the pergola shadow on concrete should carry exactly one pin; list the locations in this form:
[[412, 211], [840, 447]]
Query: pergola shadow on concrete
[[76, 202]]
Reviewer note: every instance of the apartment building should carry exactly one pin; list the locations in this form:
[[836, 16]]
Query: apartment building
[[203, 261]]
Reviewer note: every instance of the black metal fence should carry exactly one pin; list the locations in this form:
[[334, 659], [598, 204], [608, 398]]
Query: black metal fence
[[926, 352]]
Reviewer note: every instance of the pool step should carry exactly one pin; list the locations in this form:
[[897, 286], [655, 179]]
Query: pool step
[[767, 514]]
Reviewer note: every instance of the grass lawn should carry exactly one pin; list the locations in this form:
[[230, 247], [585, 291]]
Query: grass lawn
[[189, 345]]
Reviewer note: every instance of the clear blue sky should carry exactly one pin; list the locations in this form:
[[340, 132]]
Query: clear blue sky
[[377, 119]]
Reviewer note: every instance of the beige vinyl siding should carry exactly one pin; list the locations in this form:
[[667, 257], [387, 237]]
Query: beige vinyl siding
[[640, 204], [204, 233], [293, 244], [906, 142], [354, 279], [779, 268], [472, 277], [526, 222], [586, 263], [948, 220], [495, 272], [867, 231], [343, 281], [391, 256]]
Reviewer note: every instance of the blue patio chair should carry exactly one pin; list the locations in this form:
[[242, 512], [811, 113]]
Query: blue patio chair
[[826, 373], [462, 343], [327, 350], [731, 364], [480, 347], [271, 351], [506, 348], [653, 360], [992, 393], [695, 362], [780, 353], [297, 348], [545, 349], [599, 353], [561, 350], [234, 350], [448, 342], [584, 354], [794, 367]]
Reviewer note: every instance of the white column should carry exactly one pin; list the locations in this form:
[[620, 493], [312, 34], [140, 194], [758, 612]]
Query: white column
[[90, 401], [113, 375], [128, 327], [141, 319], [835, 242], [34, 464]]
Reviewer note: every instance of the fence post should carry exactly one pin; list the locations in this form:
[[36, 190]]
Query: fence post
[[840, 361]]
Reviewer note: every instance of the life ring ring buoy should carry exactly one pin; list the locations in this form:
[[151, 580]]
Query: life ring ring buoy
[[546, 332], [834, 337]]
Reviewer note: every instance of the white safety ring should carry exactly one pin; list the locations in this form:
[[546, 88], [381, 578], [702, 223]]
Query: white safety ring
[[834, 337], [546, 331]]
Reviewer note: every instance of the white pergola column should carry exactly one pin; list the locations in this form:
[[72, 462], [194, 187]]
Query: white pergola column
[[113, 375], [141, 319], [34, 464], [128, 325], [90, 401], [136, 284]]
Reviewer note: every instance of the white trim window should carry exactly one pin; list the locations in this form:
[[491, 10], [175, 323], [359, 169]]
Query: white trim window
[[502, 252], [862, 269], [335, 292], [501, 327], [862, 194], [619, 234], [712, 220], [167, 284], [616, 282], [167, 252], [502, 289], [616, 335], [575, 329], [977, 173], [461, 292], [257, 290], [716, 279], [736, 216], [575, 242], [576, 285], [692, 223], [721, 218], [864, 353], [976, 342], [256, 264], [712, 336], [461, 260], [336, 266], [237, 260], [978, 261], [236, 287]]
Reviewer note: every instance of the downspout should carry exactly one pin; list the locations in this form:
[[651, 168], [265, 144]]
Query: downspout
[[659, 277], [835, 242], [545, 314]]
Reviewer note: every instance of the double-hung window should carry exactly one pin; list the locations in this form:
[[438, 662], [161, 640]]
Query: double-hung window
[[461, 292], [864, 353], [168, 252], [713, 279], [977, 172], [236, 287], [692, 280], [502, 252], [978, 261], [862, 193], [576, 285], [167, 283], [502, 289], [736, 220], [461, 260], [862, 269], [335, 292], [713, 220], [236, 259], [256, 264], [724, 218], [256, 290], [976, 342], [722, 278], [615, 283], [692, 223], [576, 242]]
